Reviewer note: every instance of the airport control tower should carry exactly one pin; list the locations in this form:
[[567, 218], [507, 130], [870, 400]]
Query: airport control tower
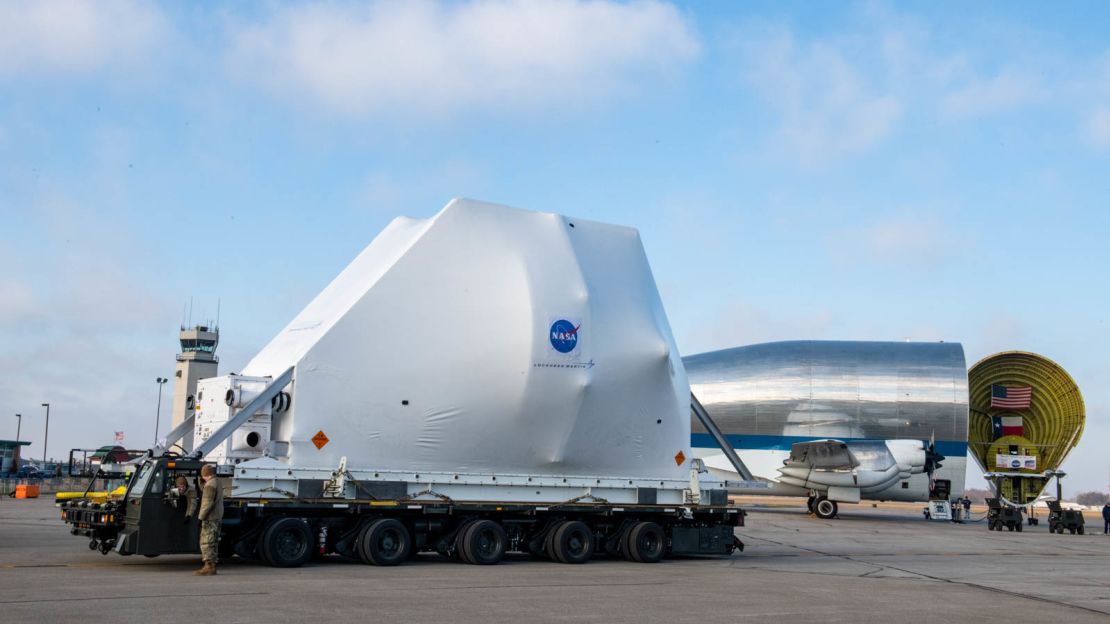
[[197, 360]]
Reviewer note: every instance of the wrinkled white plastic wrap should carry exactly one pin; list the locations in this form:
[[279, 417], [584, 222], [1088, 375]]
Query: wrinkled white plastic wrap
[[454, 315]]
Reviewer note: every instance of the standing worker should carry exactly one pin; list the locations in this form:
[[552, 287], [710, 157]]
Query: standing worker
[[210, 515], [1106, 518]]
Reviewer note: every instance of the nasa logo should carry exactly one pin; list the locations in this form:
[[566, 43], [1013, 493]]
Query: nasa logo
[[1015, 463], [564, 336]]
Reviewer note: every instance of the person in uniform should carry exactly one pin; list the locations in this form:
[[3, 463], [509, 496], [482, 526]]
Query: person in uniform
[[1106, 518], [183, 492], [210, 515]]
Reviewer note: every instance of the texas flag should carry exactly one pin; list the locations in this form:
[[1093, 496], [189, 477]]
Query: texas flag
[[1007, 426]]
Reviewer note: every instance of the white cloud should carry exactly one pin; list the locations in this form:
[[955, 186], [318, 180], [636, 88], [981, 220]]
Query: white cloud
[[76, 36], [1098, 128], [907, 240], [439, 58], [825, 104], [18, 303], [1007, 90], [743, 323]]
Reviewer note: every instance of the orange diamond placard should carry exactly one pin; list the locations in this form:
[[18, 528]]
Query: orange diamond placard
[[320, 439], [679, 458]]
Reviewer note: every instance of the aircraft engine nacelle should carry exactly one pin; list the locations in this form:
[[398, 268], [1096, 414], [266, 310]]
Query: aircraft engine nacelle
[[909, 454], [868, 466]]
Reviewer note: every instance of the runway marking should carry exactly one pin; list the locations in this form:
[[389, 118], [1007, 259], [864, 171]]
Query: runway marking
[[545, 586], [942, 579], [177, 595]]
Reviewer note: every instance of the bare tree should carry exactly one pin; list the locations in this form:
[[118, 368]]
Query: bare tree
[[1092, 498]]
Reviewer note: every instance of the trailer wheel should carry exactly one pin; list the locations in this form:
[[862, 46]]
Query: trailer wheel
[[287, 543], [1079, 530], [646, 542], [537, 551], [571, 542], [226, 548], [482, 543], [1018, 525], [384, 542], [825, 508], [247, 549]]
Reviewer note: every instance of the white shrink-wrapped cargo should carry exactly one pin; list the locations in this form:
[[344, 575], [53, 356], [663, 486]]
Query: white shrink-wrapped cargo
[[487, 340]]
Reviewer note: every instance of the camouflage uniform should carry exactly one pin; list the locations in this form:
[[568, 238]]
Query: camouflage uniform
[[210, 516], [209, 541]]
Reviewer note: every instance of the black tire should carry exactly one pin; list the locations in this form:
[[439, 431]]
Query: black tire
[[809, 503], [825, 509], [1010, 527], [248, 550], [1072, 531], [646, 542], [287, 543], [482, 543], [226, 548], [1019, 527], [384, 542], [535, 547], [571, 542]]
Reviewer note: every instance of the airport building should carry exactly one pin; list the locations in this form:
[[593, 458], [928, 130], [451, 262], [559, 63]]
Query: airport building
[[9, 455]]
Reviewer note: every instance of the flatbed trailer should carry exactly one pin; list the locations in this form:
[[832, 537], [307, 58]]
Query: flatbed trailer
[[487, 380], [290, 531]]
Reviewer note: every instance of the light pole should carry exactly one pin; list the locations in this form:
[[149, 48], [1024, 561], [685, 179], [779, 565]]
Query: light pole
[[18, 426], [45, 435], [161, 381]]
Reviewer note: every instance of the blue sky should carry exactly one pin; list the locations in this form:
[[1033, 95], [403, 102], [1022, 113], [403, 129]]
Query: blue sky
[[930, 171]]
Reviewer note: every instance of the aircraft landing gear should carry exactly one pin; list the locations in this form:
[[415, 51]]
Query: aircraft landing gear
[[809, 503], [824, 508]]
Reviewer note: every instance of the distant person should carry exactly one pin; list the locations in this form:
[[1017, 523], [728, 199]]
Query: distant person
[[966, 502], [210, 516], [183, 492], [1106, 518]]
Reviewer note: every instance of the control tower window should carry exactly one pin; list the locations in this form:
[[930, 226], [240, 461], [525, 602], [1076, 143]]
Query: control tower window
[[207, 346]]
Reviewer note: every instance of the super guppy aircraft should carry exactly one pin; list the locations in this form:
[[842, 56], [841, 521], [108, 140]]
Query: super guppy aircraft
[[837, 421]]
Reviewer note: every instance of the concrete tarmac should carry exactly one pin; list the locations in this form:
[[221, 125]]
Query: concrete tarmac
[[870, 565]]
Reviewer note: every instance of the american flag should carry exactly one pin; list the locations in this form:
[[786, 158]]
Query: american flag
[[1011, 397]]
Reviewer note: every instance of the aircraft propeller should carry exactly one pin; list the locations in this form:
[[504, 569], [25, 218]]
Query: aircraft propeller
[[933, 459]]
